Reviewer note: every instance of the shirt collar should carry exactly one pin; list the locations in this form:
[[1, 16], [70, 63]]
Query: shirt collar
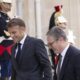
[[65, 50], [22, 41]]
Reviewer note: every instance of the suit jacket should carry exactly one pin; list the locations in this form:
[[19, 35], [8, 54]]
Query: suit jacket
[[70, 69], [34, 62]]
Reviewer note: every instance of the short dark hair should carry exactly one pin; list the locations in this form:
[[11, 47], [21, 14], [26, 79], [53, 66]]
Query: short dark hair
[[15, 22], [56, 33]]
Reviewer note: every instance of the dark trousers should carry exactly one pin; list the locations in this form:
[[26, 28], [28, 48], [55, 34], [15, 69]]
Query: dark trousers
[[5, 70]]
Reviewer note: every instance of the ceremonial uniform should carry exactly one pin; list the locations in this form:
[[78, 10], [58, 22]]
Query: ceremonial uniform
[[5, 47]]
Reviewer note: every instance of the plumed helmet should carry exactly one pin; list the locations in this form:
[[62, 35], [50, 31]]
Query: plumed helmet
[[57, 16]]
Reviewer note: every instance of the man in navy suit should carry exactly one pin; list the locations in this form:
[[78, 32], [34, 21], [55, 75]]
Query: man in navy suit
[[68, 67], [56, 19], [33, 62]]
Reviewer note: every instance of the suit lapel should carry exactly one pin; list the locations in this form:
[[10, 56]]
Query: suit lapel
[[23, 48], [22, 53], [65, 62]]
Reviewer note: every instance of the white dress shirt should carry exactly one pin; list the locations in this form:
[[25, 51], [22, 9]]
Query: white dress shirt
[[63, 55], [21, 42]]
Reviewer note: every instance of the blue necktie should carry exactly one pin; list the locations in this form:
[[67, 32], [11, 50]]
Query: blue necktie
[[18, 52]]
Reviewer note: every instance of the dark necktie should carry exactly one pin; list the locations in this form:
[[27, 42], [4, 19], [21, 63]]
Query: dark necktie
[[18, 52], [59, 67], [56, 59]]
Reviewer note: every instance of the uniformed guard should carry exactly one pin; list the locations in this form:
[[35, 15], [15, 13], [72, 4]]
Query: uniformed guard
[[5, 40]]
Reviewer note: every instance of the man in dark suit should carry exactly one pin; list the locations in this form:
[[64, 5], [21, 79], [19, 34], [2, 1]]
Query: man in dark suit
[[56, 19], [33, 62], [68, 67]]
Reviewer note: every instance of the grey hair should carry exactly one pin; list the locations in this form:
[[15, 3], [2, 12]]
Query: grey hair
[[57, 33]]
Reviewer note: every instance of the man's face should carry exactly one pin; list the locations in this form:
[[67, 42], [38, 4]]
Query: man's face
[[17, 33], [53, 44]]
